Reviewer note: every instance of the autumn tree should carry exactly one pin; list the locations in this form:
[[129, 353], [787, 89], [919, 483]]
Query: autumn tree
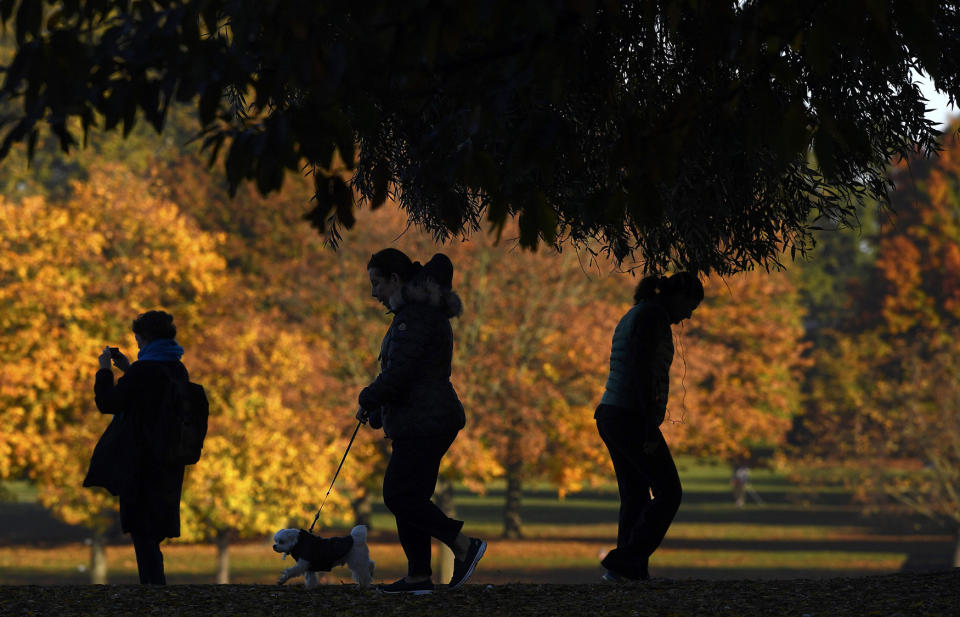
[[72, 276], [263, 464], [532, 355], [69, 271], [625, 122], [532, 358], [519, 367], [307, 288], [275, 345], [735, 378], [892, 415]]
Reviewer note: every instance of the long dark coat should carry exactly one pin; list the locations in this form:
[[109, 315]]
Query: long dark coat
[[123, 461], [412, 395]]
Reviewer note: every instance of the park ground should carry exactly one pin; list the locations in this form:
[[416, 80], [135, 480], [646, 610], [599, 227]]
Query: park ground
[[793, 532], [931, 594]]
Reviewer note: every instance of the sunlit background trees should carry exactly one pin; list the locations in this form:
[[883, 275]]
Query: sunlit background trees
[[283, 333], [845, 363]]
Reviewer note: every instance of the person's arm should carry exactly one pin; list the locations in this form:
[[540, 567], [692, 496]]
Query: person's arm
[[110, 397], [645, 340], [407, 345]]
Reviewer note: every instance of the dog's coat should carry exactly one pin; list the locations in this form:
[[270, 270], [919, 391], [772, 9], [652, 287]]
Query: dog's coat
[[315, 554], [322, 553]]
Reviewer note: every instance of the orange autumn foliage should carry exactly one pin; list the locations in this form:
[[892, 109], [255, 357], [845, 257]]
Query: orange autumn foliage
[[735, 380], [886, 400], [284, 334]]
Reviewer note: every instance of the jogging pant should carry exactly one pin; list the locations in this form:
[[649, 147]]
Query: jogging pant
[[408, 485], [644, 520]]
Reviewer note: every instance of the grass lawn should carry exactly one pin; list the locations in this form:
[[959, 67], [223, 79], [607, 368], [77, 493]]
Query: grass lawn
[[793, 533]]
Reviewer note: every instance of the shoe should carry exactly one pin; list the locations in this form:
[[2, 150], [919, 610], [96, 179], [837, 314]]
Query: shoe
[[463, 569], [622, 571], [618, 579], [402, 586]]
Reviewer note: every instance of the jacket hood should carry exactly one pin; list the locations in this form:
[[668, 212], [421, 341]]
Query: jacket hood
[[425, 291]]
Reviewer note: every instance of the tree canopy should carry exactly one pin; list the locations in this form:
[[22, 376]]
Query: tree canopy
[[708, 135]]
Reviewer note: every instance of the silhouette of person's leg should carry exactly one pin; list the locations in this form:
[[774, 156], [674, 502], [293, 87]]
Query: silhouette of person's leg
[[643, 520], [667, 494], [149, 558], [408, 485], [634, 488]]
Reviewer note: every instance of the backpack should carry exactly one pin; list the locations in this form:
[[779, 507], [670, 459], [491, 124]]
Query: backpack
[[182, 423]]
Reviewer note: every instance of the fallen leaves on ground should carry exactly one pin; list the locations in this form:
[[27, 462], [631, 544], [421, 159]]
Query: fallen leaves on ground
[[931, 594]]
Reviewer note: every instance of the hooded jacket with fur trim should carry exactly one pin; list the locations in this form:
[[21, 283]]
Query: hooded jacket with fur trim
[[412, 395]]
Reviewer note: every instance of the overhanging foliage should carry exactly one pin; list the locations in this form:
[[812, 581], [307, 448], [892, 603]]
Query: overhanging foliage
[[699, 134]]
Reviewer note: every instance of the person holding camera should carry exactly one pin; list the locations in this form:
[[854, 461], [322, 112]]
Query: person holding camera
[[124, 461]]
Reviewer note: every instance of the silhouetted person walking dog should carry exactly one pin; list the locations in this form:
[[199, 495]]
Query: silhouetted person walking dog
[[124, 461], [415, 403], [629, 416]]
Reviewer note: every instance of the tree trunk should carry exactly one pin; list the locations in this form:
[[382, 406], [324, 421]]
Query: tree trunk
[[956, 550], [98, 558], [223, 558], [444, 501], [512, 521], [363, 509]]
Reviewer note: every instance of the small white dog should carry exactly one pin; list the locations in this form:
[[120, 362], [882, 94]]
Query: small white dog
[[315, 554]]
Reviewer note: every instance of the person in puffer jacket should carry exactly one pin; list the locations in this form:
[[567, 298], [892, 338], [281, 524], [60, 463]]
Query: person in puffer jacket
[[633, 406], [414, 402]]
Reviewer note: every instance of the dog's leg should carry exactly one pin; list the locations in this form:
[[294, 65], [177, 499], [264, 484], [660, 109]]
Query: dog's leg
[[369, 577], [310, 579], [358, 559], [362, 572], [295, 570]]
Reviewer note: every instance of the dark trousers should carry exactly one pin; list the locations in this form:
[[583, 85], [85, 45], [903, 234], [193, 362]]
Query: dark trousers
[[408, 485], [643, 520], [149, 558]]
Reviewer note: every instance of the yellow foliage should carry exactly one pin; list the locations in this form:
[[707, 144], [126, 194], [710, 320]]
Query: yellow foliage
[[72, 276], [284, 343]]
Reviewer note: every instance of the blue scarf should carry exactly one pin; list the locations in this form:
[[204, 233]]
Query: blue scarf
[[161, 350]]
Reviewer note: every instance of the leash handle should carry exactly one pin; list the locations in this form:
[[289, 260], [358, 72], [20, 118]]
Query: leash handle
[[352, 437]]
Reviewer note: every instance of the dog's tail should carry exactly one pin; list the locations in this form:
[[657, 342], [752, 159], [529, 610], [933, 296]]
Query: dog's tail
[[359, 534]]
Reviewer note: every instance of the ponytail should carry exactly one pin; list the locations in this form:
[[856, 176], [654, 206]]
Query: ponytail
[[681, 283], [649, 287]]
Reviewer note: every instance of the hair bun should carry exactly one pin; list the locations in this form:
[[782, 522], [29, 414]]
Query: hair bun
[[440, 270]]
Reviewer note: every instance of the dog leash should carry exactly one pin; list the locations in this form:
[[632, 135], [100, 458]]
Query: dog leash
[[315, 518]]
